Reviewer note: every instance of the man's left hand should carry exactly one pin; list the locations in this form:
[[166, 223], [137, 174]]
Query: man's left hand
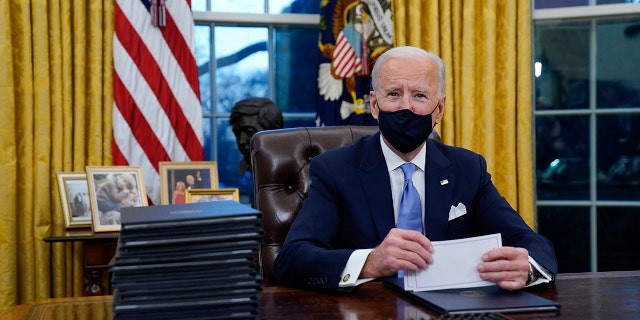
[[507, 266]]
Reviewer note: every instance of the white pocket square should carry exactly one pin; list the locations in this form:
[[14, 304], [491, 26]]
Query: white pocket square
[[457, 211]]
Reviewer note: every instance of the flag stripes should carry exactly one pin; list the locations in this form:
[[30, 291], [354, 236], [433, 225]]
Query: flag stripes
[[157, 114], [346, 61]]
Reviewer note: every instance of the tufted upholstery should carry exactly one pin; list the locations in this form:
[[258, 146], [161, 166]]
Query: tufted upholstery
[[280, 164]]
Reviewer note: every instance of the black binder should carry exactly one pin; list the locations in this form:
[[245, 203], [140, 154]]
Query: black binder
[[187, 261], [489, 299]]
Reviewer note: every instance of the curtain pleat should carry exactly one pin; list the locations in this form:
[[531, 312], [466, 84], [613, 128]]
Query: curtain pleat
[[56, 88], [486, 47], [524, 115], [8, 160]]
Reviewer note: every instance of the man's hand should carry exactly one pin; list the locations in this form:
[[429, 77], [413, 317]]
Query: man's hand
[[400, 250], [507, 266]]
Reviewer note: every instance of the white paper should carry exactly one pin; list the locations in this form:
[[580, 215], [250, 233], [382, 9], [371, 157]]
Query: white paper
[[454, 264]]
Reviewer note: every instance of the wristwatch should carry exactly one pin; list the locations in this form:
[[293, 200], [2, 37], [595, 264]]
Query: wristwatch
[[533, 275]]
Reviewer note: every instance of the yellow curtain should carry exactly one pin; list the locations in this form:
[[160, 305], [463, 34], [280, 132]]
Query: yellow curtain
[[486, 47], [56, 93]]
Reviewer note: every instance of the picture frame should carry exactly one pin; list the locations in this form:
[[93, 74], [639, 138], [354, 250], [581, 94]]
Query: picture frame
[[174, 179], [210, 195], [74, 196], [110, 189]]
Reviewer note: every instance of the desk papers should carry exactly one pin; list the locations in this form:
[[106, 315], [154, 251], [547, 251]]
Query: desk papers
[[454, 265]]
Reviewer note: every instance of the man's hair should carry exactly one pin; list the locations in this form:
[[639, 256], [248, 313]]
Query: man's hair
[[269, 114], [411, 53]]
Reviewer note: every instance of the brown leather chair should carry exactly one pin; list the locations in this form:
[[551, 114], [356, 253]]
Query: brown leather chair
[[280, 164]]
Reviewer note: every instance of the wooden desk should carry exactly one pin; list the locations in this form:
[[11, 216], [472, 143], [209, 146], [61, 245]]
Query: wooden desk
[[605, 295], [602, 295], [99, 248]]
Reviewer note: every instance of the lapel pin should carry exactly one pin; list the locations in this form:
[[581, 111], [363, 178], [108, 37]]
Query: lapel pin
[[443, 182]]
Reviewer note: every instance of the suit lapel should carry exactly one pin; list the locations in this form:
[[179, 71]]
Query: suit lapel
[[377, 186], [439, 182]]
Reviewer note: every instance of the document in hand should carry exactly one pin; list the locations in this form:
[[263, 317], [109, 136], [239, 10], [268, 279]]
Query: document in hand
[[454, 264]]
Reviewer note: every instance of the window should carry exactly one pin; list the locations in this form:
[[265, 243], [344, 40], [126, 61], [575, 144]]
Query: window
[[249, 48], [587, 131]]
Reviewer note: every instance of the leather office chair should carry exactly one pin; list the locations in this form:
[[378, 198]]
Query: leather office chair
[[280, 163]]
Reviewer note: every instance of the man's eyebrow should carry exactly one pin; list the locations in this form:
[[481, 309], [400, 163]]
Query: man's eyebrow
[[390, 88]]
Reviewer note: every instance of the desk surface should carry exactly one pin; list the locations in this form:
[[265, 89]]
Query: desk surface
[[604, 295]]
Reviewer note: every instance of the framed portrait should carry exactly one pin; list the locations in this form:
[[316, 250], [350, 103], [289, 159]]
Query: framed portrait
[[210, 195], [74, 196], [178, 177], [110, 189]]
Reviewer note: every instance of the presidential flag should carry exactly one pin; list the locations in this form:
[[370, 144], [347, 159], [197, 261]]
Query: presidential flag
[[353, 33], [157, 114]]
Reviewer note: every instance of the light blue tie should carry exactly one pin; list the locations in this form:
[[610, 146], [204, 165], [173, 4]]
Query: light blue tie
[[409, 211]]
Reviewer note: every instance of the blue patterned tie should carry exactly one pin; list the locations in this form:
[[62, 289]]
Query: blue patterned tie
[[409, 211]]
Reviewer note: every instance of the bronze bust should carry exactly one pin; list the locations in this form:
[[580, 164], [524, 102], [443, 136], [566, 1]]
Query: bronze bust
[[249, 116]]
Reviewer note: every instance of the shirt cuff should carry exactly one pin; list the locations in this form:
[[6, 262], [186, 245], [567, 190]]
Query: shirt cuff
[[351, 271], [544, 276]]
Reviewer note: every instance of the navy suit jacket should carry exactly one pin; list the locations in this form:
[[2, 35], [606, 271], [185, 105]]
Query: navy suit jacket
[[349, 206]]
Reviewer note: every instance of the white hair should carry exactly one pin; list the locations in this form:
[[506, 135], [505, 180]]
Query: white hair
[[409, 52]]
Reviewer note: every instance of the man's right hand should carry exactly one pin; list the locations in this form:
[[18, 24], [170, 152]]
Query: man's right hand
[[400, 250]]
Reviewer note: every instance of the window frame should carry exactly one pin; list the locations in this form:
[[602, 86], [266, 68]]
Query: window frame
[[262, 20], [593, 13]]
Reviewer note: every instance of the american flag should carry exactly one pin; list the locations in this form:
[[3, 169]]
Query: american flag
[[157, 114], [345, 59]]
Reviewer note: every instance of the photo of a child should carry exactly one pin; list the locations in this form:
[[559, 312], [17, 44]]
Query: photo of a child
[[113, 190]]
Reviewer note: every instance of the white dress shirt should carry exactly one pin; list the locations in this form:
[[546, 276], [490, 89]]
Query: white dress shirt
[[357, 259]]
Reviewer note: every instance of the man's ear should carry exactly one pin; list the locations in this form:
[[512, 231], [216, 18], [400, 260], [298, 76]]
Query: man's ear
[[373, 104], [441, 110]]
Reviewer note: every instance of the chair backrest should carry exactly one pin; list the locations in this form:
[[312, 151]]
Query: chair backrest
[[280, 163]]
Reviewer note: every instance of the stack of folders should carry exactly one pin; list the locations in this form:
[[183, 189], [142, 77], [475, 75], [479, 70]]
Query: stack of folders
[[187, 261]]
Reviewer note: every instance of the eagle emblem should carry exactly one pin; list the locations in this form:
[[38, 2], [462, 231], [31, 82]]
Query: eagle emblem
[[356, 33]]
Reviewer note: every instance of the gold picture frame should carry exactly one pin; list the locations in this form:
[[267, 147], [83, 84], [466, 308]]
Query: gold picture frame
[[174, 179], [117, 187], [74, 196], [210, 195]]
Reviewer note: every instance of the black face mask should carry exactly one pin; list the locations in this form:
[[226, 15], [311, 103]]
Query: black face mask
[[404, 129]]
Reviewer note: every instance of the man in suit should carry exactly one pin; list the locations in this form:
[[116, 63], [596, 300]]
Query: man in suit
[[194, 182], [345, 232]]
